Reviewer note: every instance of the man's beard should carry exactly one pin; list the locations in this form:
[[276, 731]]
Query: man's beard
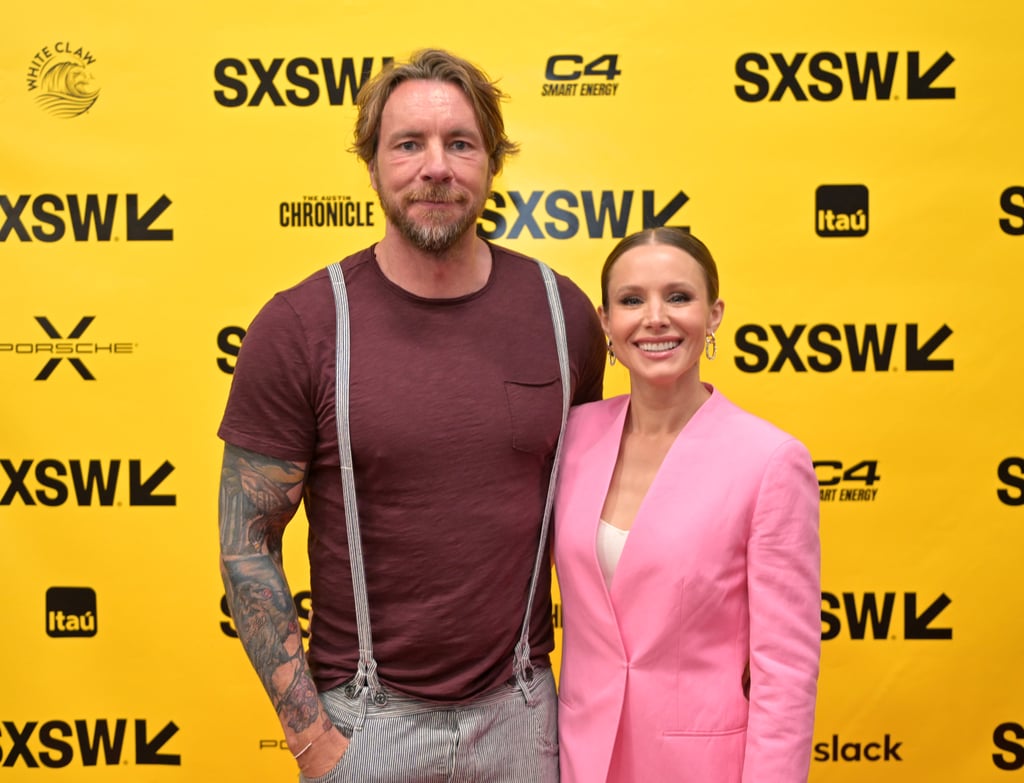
[[435, 234]]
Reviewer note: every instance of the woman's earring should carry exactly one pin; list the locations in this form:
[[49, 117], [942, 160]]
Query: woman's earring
[[710, 346], [611, 354]]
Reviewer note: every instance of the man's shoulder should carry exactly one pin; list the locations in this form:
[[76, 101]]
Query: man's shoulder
[[318, 283], [513, 259], [568, 290], [508, 254], [512, 262], [308, 302]]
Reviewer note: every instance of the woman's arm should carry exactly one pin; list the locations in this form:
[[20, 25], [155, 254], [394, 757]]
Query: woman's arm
[[784, 593]]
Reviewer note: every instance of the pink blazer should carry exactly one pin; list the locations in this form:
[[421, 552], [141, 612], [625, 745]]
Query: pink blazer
[[721, 569]]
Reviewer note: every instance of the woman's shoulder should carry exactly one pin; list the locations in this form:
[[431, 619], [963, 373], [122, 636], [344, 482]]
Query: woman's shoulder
[[591, 420], [590, 426], [594, 413], [750, 427]]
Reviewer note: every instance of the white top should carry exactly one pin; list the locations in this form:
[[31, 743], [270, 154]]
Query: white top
[[610, 542]]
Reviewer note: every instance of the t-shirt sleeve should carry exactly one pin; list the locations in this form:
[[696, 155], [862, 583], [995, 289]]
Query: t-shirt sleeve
[[269, 408], [586, 342]]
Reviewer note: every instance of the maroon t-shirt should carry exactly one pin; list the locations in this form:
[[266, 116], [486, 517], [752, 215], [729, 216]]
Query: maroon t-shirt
[[455, 410]]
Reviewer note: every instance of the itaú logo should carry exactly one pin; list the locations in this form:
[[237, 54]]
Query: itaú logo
[[70, 611], [841, 211]]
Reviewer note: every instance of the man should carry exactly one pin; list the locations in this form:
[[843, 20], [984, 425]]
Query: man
[[455, 406]]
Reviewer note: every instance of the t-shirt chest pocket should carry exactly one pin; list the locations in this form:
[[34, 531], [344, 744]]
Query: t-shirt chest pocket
[[535, 413]]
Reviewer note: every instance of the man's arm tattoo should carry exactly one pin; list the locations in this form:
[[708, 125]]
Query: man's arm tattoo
[[258, 497]]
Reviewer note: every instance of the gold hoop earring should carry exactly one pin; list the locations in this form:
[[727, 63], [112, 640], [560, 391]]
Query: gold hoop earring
[[611, 354], [710, 347]]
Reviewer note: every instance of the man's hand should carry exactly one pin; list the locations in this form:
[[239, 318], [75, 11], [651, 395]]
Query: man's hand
[[324, 754]]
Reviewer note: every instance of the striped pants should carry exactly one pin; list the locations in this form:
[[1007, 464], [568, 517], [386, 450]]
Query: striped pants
[[504, 736]]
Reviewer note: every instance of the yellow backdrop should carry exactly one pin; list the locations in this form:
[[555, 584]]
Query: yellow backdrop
[[857, 170]]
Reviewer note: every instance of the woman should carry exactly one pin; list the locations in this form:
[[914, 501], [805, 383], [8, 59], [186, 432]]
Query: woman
[[686, 543]]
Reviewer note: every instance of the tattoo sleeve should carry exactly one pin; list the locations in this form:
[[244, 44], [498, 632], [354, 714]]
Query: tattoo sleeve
[[258, 497]]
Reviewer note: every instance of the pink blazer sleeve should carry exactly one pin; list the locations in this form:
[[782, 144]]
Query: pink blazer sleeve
[[784, 588]]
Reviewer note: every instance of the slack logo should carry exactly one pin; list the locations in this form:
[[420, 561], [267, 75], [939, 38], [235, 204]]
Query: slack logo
[[886, 750], [70, 611], [841, 210]]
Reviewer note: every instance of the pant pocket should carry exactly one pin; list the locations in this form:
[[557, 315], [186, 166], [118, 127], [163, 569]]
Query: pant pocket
[[544, 714], [336, 774]]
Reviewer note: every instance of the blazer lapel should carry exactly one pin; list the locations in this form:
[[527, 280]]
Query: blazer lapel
[[657, 538]]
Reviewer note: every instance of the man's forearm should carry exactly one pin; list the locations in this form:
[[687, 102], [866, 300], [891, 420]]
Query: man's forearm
[[258, 497], [268, 628]]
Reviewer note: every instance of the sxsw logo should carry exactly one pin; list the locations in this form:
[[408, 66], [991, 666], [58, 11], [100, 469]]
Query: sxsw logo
[[1011, 474], [824, 76], [1012, 202], [52, 482], [1009, 738], [47, 218], [70, 611], [564, 213], [97, 742], [826, 347], [229, 341], [305, 80], [871, 616], [841, 211]]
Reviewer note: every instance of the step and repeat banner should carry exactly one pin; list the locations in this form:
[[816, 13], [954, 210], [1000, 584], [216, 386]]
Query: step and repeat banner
[[858, 172]]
